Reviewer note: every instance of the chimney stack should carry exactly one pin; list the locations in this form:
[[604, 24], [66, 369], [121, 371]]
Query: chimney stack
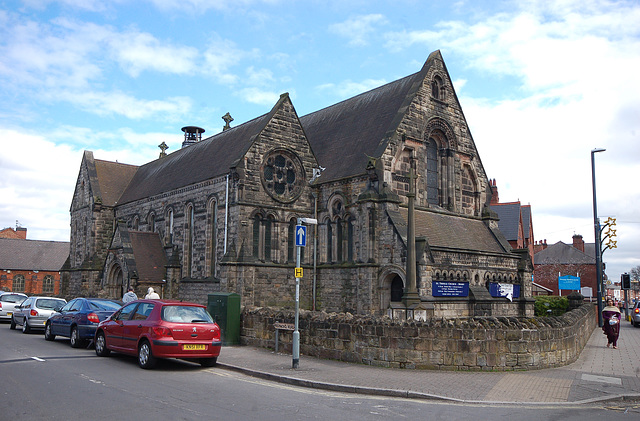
[[495, 199], [578, 242]]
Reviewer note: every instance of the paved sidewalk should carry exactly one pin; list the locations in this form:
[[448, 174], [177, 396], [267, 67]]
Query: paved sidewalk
[[600, 373]]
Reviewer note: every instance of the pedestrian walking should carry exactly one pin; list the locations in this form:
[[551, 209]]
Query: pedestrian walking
[[611, 323], [129, 296]]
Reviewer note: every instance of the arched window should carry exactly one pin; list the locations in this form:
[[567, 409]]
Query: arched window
[[47, 284], [189, 240], [18, 283], [350, 223], [291, 241], [432, 173], [437, 88], [169, 226], [329, 241], [136, 223], [152, 222], [268, 224], [397, 289], [339, 240], [256, 236], [212, 238]]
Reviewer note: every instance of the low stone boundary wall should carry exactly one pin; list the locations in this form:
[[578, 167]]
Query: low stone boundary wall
[[479, 343]]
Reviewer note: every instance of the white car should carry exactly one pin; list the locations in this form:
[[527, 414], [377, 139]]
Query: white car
[[8, 301], [33, 312]]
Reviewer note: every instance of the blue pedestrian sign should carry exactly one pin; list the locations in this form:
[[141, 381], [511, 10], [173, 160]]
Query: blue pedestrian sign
[[301, 236]]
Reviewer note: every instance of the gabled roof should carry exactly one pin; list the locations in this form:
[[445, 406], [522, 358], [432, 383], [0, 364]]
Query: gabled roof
[[345, 134], [149, 255], [204, 160], [452, 231], [561, 253], [113, 178], [32, 254]]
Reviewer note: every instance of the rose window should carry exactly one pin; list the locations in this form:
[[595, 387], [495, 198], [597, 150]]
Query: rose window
[[282, 176]]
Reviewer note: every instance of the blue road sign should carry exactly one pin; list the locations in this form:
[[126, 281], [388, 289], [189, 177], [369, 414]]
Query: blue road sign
[[301, 236]]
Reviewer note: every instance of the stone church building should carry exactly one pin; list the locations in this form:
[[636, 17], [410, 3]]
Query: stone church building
[[219, 215]]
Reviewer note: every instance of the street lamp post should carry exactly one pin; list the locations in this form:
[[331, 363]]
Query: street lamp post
[[596, 227]]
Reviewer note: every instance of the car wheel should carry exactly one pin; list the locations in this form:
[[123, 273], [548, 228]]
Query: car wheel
[[145, 356], [208, 362], [76, 342], [48, 336], [101, 345], [25, 326], [13, 323]]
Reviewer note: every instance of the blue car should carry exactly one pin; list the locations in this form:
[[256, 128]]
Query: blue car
[[78, 319]]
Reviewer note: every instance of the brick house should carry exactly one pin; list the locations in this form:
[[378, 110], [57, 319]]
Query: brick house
[[30, 266], [516, 222], [560, 259], [220, 213]]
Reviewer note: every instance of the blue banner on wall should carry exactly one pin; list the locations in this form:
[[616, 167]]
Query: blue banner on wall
[[504, 290], [449, 289], [569, 282]]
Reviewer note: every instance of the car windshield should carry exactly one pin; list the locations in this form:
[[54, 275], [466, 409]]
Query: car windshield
[[49, 303], [185, 314], [12, 298], [103, 305]]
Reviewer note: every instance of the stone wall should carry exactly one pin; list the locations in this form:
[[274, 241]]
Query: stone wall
[[480, 343]]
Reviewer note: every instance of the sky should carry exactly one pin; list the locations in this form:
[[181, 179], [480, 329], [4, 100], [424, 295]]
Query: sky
[[541, 84]]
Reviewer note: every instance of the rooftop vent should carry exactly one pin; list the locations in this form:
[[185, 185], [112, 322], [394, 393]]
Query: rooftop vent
[[192, 135]]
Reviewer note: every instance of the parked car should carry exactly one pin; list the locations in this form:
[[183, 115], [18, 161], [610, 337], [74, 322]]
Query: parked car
[[32, 313], [152, 329], [78, 319], [635, 314], [8, 301]]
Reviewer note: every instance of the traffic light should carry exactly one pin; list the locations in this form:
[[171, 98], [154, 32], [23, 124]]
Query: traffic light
[[626, 281]]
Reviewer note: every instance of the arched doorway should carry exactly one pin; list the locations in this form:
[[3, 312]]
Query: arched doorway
[[115, 281], [397, 289]]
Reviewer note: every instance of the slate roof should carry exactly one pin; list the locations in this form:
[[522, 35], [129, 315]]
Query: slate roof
[[18, 254], [148, 254], [509, 214], [207, 159], [344, 134], [453, 232], [561, 253], [113, 179]]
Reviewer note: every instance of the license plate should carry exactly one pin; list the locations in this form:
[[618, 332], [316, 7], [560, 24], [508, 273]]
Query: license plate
[[194, 347], [9, 313]]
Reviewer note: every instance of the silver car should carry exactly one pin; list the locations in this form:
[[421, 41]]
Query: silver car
[[8, 301], [635, 314], [33, 312]]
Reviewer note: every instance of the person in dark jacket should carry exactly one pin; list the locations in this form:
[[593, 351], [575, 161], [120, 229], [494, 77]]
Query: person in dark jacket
[[611, 323]]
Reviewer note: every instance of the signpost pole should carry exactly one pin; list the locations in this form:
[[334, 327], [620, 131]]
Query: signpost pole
[[301, 241]]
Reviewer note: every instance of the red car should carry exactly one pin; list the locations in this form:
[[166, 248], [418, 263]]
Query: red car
[[154, 329]]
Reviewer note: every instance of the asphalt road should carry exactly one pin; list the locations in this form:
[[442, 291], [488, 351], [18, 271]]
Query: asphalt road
[[50, 380]]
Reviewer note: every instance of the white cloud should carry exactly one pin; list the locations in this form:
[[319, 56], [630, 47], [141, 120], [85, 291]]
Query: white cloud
[[358, 29], [258, 96], [137, 52]]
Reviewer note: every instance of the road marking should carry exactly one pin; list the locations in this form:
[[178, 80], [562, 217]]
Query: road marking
[[601, 379], [38, 359]]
